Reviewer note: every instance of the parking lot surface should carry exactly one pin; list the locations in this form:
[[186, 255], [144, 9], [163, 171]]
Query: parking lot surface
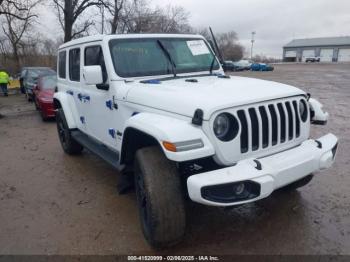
[[51, 203]]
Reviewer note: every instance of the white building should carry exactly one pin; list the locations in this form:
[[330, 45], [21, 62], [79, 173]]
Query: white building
[[329, 49]]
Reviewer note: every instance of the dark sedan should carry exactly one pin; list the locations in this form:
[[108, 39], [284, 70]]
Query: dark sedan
[[228, 66], [29, 78]]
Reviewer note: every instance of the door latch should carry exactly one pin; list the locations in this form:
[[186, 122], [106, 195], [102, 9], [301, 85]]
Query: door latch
[[115, 105]]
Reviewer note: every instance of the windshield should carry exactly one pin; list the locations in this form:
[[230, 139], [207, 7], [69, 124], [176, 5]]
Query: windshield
[[35, 73], [49, 82], [145, 57]]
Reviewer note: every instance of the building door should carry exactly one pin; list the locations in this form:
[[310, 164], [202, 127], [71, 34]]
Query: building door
[[291, 56], [308, 53], [326, 55], [344, 55]]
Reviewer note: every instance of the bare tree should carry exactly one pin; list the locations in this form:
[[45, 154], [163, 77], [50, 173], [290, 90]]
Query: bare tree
[[172, 19], [69, 11], [15, 28], [138, 17], [115, 8], [8, 7], [227, 42]]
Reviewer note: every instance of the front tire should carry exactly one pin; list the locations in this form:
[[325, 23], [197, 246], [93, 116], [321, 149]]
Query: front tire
[[159, 197], [69, 145]]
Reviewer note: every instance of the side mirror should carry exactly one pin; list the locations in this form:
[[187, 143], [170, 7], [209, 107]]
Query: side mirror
[[36, 88], [92, 75]]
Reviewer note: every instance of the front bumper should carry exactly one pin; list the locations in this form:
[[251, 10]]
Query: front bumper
[[265, 174]]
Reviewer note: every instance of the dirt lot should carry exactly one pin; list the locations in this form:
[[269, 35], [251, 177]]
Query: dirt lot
[[51, 203]]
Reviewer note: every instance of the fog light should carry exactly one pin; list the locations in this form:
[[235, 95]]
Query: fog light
[[239, 188], [231, 192]]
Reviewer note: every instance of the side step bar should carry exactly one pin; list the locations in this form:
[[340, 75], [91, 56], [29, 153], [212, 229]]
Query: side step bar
[[107, 154]]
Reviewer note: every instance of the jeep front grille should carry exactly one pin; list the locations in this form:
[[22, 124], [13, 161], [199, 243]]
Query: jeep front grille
[[268, 125]]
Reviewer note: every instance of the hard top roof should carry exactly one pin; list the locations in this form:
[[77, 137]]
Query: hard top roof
[[96, 38]]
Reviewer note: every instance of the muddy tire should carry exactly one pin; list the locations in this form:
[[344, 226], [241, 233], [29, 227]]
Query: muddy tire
[[159, 198], [43, 117], [69, 145], [299, 183]]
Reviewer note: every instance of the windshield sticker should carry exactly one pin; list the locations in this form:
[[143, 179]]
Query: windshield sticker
[[198, 47]]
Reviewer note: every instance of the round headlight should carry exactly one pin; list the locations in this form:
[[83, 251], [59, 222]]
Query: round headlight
[[225, 127], [303, 110]]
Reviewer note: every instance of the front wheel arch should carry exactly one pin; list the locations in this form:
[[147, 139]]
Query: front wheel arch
[[133, 140]]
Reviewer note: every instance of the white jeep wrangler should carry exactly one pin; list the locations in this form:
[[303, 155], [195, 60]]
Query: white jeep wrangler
[[161, 107]]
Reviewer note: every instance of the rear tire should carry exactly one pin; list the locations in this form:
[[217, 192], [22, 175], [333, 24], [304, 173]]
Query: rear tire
[[29, 99], [299, 183], [69, 145], [159, 197], [43, 117]]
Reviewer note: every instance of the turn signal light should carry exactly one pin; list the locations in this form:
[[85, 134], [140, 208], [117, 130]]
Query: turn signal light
[[169, 146], [183, 146]]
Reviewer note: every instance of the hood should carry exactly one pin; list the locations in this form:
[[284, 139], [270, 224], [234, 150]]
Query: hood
[[210, 94], [47, 93]]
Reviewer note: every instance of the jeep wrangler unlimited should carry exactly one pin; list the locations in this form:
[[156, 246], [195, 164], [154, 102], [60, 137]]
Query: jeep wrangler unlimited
[[160, 107]]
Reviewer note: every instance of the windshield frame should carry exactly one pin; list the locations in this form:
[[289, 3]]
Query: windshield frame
[[155, 39]]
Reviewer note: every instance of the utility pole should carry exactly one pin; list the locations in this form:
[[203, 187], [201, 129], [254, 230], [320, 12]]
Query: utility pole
[[253, 40]]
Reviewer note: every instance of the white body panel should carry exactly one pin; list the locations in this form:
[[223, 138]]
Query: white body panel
[[277, 170], [165, 128], [165, 110], [210, 94], [344, 55], [317, 108], [326, 55]]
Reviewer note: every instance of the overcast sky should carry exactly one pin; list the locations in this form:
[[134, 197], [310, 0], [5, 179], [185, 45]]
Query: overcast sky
[[275, 22]]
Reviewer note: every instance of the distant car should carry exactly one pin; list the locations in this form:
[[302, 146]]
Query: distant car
[[43, 96], [312, 59], [228, 66], [243, 64], [29, 77], [261, 67]]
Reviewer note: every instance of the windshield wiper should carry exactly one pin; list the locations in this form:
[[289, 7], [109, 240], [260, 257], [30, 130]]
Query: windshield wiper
[[167, 54]]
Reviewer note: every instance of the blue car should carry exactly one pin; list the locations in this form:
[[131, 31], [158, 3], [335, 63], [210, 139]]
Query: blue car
[[261, 67]]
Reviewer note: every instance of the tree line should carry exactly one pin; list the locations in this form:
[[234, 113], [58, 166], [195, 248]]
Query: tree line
[[22, 43]]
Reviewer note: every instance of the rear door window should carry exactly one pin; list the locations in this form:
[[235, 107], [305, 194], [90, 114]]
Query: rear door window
[[74, 64], [62, 64]]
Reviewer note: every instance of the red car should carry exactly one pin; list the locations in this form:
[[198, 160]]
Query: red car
[[43, 96]]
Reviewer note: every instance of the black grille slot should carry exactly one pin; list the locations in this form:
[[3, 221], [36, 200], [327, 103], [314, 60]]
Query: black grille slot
[[244, 131], [290, 121], [255, 128], [265, 126], [273, 124], [283, 122], [297, 119]]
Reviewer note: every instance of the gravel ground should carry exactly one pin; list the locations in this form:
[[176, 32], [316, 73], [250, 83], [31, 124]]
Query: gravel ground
[[51, 203]]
